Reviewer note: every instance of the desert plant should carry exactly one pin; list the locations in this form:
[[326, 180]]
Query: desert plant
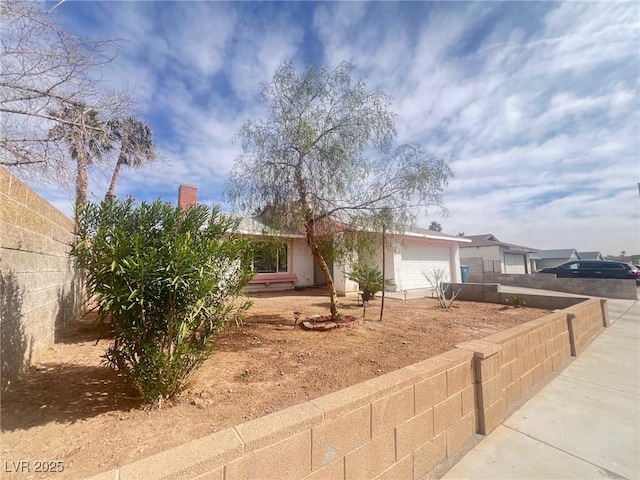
[[167, 279], [436, 279], [369, 279], [516, 301]]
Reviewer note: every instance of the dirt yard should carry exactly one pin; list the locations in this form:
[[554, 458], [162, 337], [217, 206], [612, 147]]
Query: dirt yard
[[71, 409]]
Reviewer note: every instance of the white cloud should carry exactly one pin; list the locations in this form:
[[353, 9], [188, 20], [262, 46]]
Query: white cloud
[[536, 103]]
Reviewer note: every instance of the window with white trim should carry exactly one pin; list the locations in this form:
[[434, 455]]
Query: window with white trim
[[269, 257]]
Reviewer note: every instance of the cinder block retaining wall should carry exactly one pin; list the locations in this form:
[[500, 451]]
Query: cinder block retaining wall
[[490, 293], [39, 288], [609, 288], [401, 425]]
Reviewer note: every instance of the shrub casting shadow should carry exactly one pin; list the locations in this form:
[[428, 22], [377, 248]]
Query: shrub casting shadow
[[62, 393], [13, 340], [70, 304]]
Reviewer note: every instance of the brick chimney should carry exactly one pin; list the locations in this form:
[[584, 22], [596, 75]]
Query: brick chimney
[[187, 196]]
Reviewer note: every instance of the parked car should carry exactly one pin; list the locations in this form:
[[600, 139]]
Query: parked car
[[594, 269]]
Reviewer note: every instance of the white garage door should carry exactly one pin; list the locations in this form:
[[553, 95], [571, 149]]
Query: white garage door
[[417, 259], [514, 263]]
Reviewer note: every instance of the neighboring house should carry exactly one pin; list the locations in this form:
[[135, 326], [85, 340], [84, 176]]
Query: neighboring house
[[590, 256], [486, 253], [286, 262], [553, 258]]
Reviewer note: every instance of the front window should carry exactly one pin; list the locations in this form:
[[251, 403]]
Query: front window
[[270, 257]]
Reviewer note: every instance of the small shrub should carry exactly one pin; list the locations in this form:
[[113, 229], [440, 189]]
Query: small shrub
[[168, 280], [436, 279], [369, 280], [516, 301]]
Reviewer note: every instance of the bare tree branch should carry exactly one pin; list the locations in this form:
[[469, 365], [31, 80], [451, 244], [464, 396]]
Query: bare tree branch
[[45, 69]]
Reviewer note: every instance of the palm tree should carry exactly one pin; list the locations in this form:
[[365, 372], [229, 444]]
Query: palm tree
[[435, 226], [136, 146], [81, 128]]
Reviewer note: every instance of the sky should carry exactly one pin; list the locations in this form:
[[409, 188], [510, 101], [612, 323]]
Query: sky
[[535, 105]]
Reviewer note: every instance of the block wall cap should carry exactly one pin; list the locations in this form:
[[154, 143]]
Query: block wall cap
[[277, 426], [481, 348], [346, 400], [188, 460], [394, 381]]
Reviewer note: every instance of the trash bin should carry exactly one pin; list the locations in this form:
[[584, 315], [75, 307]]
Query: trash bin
[[464, 270]]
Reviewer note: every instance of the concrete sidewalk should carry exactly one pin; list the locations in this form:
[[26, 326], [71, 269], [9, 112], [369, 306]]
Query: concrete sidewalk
[[585, 424]]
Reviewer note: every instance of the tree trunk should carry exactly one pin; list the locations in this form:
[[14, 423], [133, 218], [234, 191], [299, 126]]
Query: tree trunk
[[81, 180], [114, 180], [333, 296], [384, 234]]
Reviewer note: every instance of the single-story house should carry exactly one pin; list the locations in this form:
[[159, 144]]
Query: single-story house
[[487, 248], [287, 262], [407, 258], [553, 258]]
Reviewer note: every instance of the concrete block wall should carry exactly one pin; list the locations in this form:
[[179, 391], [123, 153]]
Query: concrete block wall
[[40, 289], [402, 425], [529, 353], [399, 425], [609, 287], [586, 320], [475, 269], [491, 293]]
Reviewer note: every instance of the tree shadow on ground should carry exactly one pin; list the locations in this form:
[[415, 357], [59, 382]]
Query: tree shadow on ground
[[13, 341], [37, 398], [270, 319]]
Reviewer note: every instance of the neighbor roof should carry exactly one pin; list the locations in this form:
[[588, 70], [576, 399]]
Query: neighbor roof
[[590, 255], [490, 240], [566, 253]]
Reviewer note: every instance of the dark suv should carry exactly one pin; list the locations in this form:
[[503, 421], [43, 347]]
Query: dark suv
[[594, 269]]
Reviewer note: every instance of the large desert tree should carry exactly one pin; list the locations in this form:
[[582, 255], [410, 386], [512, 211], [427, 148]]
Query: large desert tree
[[325, 159], [86, 137], [136, 146]]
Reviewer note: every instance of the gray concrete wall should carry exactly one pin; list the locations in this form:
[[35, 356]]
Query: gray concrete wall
[[608, 288], [475, 268], [491, 293], [40, 290]]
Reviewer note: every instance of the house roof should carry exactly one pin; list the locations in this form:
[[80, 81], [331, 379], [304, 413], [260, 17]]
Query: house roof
[[426, 233], [489, 240], [559, 254], [251, 226], [590, 255]]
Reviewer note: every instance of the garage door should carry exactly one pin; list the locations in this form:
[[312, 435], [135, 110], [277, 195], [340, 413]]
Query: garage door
[[514, 263], [417, 259]]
